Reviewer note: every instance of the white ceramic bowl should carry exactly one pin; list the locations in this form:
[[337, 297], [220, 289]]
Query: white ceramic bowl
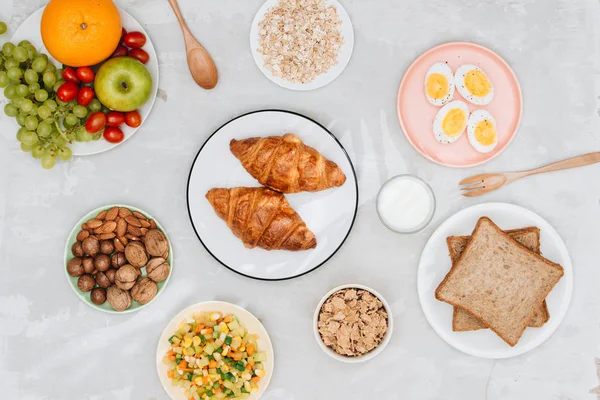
[[365, 357]]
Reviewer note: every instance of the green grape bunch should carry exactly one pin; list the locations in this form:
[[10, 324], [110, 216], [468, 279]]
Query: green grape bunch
[[47, 125]]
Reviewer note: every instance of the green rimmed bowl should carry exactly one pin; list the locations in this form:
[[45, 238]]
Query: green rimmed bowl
[[85, 296]]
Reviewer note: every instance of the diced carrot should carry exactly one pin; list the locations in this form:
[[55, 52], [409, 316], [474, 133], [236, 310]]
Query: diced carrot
[[170, 374], [209, 331], [250, 349], [205, 380], [170, 352], [255, 379], [251, 364], [217, 390], [182, 364], [228, 319], [172, 358], [237, 356], [221, 381], [212, 364], [248, 367]]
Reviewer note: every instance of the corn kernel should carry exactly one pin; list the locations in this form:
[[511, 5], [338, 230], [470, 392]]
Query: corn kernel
[[187, 342], [247, 386], [198, 381], [196, 340], [215, 316], [259, 372]]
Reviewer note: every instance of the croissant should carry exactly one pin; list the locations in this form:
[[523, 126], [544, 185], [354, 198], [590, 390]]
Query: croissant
[[286, 164], [263, 218]]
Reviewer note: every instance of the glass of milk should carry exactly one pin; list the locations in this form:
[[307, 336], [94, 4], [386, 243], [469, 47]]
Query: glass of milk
[[405, 204]]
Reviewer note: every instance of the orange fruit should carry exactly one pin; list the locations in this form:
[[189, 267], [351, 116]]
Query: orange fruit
[[81, 33]]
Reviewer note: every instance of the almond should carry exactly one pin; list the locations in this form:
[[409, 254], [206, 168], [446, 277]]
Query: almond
[[94, 223], [112, 214], [134, 230], [101, 216], [106, 236], [143, 230], [119, 246], [98, 231], [145, 223], [121, 227], [82, 235], [140, 216], [108, 227], [123, 212], [123, 240], [131, 237], [85, 227], [131, 220], [152, 224]]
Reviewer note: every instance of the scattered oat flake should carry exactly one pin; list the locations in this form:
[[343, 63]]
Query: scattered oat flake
[[352, 322], [300, 39]]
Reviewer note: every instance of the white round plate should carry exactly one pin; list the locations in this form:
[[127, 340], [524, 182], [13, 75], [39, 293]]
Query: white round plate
[[435, 264], [30, 30], [320, 81], [246, 319], [329, 214]]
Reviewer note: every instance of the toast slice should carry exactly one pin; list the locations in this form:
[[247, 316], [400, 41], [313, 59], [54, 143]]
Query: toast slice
[[528, 237], [499, 281]]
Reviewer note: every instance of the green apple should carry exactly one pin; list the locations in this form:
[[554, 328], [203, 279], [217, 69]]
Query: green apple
[[123, 84]]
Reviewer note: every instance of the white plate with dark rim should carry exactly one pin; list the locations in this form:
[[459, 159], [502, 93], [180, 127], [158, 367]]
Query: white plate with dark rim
[[435, 264], [247, 319], [329, 214], [30, 30], [322, 80]]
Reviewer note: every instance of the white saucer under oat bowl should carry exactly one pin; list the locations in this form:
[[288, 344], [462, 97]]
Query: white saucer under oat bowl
[[367, 356]]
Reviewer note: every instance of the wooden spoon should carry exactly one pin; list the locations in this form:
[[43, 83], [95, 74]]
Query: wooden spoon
[[484, 183], [201, 64]]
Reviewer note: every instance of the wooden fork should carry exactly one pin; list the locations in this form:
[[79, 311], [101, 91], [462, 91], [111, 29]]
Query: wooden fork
[[478, 185]]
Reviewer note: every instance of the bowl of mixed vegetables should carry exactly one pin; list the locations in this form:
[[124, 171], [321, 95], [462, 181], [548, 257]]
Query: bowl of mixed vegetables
[[215, 350]]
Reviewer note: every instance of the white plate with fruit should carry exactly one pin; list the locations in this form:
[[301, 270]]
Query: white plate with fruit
[[120, 73], [216, 349]]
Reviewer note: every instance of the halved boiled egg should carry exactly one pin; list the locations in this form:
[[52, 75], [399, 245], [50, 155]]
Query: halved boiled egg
[[439, 84], [482, 131], [474, 85], [451, 121]]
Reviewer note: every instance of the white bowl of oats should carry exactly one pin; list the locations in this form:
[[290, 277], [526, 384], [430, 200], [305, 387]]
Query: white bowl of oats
[[302, 45], [353, 323]]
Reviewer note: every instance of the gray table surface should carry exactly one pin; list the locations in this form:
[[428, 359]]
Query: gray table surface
[[53, 346]]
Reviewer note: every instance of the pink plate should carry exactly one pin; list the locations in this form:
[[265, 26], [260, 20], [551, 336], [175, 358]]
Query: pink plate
[[416, 114]]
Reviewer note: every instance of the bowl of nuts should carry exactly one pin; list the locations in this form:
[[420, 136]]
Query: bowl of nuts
[[118, 259]]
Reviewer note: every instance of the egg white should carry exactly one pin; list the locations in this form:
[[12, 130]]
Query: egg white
[[446, 71], [474, 119], [438, 132], [459, 80]]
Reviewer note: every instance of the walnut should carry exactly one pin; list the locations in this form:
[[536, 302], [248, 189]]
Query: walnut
[[91, 246], [156, 243], [119, 300], [75, 267], [125, 277], [86, 283], [136, 254], [144, 290], [118, 260], [158, 269]]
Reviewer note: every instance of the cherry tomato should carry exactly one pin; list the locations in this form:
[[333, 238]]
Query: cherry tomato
[[135, 40], [113, 135], [67, 92], [95, 122], [139, 54], [123, 33], [115, 119], [119, 52], [85, 96], [70, 75], [85, 74], [133, 119]]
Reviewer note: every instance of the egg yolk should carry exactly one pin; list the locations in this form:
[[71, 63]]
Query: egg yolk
[[477, 83], [436, 86], [454, 122], [485, 132]]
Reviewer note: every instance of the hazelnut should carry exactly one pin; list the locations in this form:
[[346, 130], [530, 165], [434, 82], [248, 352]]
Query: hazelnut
[[156, 243], [136, 254], [98, 295], [77, 249], [91, 246], [107, 247], [118, 260], [102, 262], [158, 269], [119, 300], [125, 277], [144, 290], [110, 274], [88, 265], [102, 280], [86, 283], [74, 267]]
